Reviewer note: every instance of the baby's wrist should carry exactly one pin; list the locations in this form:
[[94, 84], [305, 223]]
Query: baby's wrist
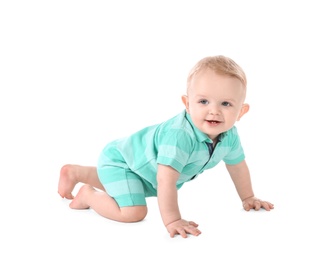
[[248, 197], [171, 222]]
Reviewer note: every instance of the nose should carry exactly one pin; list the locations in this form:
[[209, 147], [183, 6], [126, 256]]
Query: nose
[[214, 110]]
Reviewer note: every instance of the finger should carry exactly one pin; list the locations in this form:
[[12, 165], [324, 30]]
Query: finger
[[271, 205], [246, 206], [193, 223], [192, 230], [182, 232], [267, 206], [257, 205], [173, 233], [196, 232]]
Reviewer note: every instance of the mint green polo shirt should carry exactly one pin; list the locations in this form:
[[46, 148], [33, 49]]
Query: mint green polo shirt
[[176, 143]]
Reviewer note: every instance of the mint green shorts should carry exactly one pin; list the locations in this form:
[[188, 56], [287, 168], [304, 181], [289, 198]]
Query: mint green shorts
[[126, 187]]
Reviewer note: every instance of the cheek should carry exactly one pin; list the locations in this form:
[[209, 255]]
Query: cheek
[[232, 115], [195, 110], [190, 108], [238, 115]]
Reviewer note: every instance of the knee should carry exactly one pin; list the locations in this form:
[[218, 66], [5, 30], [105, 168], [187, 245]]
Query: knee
[[134, 213]]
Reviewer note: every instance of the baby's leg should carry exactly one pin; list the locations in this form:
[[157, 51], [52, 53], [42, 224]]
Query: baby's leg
[[106, 206], [71, 174]]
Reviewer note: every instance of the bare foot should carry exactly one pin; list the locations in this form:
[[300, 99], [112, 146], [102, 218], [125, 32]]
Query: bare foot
[[79, 202], [67, 181]]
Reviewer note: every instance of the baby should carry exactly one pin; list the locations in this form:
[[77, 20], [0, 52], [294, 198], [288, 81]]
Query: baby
[[159, 159]]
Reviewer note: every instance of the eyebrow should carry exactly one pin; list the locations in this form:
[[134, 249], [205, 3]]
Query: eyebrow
[[223, 99]]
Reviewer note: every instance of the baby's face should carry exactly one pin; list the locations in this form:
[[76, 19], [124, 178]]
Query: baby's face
[[215, 102]]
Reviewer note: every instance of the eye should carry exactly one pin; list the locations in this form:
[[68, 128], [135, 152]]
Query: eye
[[203, 101], [226, 104]]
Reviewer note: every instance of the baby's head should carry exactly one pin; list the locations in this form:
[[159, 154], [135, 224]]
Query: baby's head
[[216, 91], [221, 65]]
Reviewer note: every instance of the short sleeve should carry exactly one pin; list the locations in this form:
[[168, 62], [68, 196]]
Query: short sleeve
[[236, 153], [174, 148]]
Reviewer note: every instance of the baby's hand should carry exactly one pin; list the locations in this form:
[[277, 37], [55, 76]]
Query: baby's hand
[[256, 204], [183, 227]]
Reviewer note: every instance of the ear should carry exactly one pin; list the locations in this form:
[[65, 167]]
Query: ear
[[185, 101], [245, 108]]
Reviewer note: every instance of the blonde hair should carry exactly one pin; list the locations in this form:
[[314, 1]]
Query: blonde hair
[[221, 65]]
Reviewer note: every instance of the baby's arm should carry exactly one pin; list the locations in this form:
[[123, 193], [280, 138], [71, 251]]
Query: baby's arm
[[168, 203], [240, 175]]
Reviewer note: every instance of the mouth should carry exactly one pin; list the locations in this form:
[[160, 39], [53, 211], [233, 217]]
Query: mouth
[[213, 122]]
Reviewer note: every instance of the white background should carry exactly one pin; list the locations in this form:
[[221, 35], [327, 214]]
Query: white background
[[77, 74]]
